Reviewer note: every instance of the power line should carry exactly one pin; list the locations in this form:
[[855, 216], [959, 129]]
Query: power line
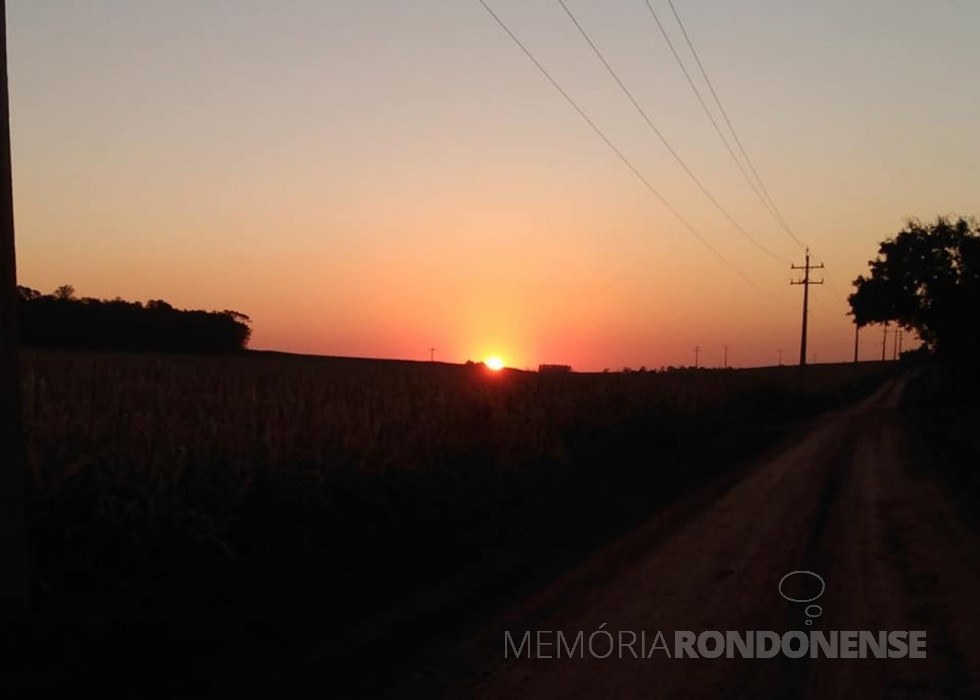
[[767, 199], [616, 150], [707, 111], [663, 139], [806, 282], [836, 290], [826, 304], [738, 142]]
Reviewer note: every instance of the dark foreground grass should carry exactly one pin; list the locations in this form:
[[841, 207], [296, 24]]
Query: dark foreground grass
[[206, 526], [947, 415]]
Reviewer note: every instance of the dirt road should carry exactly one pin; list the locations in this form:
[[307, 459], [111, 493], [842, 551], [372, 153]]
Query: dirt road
[[848, 501]]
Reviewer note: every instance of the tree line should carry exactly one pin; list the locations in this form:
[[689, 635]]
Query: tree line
[[63, 320]]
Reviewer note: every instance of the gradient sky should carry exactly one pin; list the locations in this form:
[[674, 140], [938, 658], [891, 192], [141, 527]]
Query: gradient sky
[[376, 178]]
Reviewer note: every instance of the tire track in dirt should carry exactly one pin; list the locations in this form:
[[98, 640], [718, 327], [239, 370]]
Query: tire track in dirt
[[840, 501]]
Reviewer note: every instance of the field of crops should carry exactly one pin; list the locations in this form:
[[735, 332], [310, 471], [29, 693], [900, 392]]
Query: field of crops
[[161, 478]]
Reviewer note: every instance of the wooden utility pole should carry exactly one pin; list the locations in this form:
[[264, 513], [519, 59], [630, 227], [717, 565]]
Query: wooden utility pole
[[806, 282], [697, 351], [884, 341], [725, 363], [13, 471], [432, 354], [856, 329]]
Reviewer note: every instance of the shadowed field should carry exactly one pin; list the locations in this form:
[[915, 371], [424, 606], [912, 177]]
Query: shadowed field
[[860, 498], [227, 517]]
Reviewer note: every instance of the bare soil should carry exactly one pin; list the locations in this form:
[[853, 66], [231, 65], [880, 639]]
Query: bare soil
[[854, 500]]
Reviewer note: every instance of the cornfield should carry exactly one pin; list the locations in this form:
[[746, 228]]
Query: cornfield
[[199, 497], [143, 445]]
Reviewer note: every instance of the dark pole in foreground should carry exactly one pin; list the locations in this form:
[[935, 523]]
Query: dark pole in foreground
[[884, 341], [13, 473], [856, 329], [806, 282]]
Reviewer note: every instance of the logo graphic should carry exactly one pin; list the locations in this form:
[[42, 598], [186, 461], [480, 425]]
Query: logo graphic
[[817, 610]]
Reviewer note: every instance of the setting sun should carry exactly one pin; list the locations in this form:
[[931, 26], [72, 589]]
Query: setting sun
[[261, 262]]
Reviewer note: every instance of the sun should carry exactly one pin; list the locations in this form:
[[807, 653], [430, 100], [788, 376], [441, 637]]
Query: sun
[[495, 363]]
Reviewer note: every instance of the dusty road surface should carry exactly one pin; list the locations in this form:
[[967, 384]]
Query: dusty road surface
[[849, 500]]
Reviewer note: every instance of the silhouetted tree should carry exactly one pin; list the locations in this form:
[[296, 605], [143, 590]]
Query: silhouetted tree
[[27, 292], [927, 279], [63, 321], [65, 292]]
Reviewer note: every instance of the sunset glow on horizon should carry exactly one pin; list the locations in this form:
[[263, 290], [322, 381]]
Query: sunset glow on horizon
[[392, 179]]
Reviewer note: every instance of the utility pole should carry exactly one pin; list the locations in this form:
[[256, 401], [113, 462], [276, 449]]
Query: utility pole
[[806, 282], [884, 341], [725, 363], [697, 350], [14, 588], [898, 337], [856, 329], [432, 354]]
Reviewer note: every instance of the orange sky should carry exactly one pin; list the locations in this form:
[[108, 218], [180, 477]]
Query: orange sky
[[380, 179]]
